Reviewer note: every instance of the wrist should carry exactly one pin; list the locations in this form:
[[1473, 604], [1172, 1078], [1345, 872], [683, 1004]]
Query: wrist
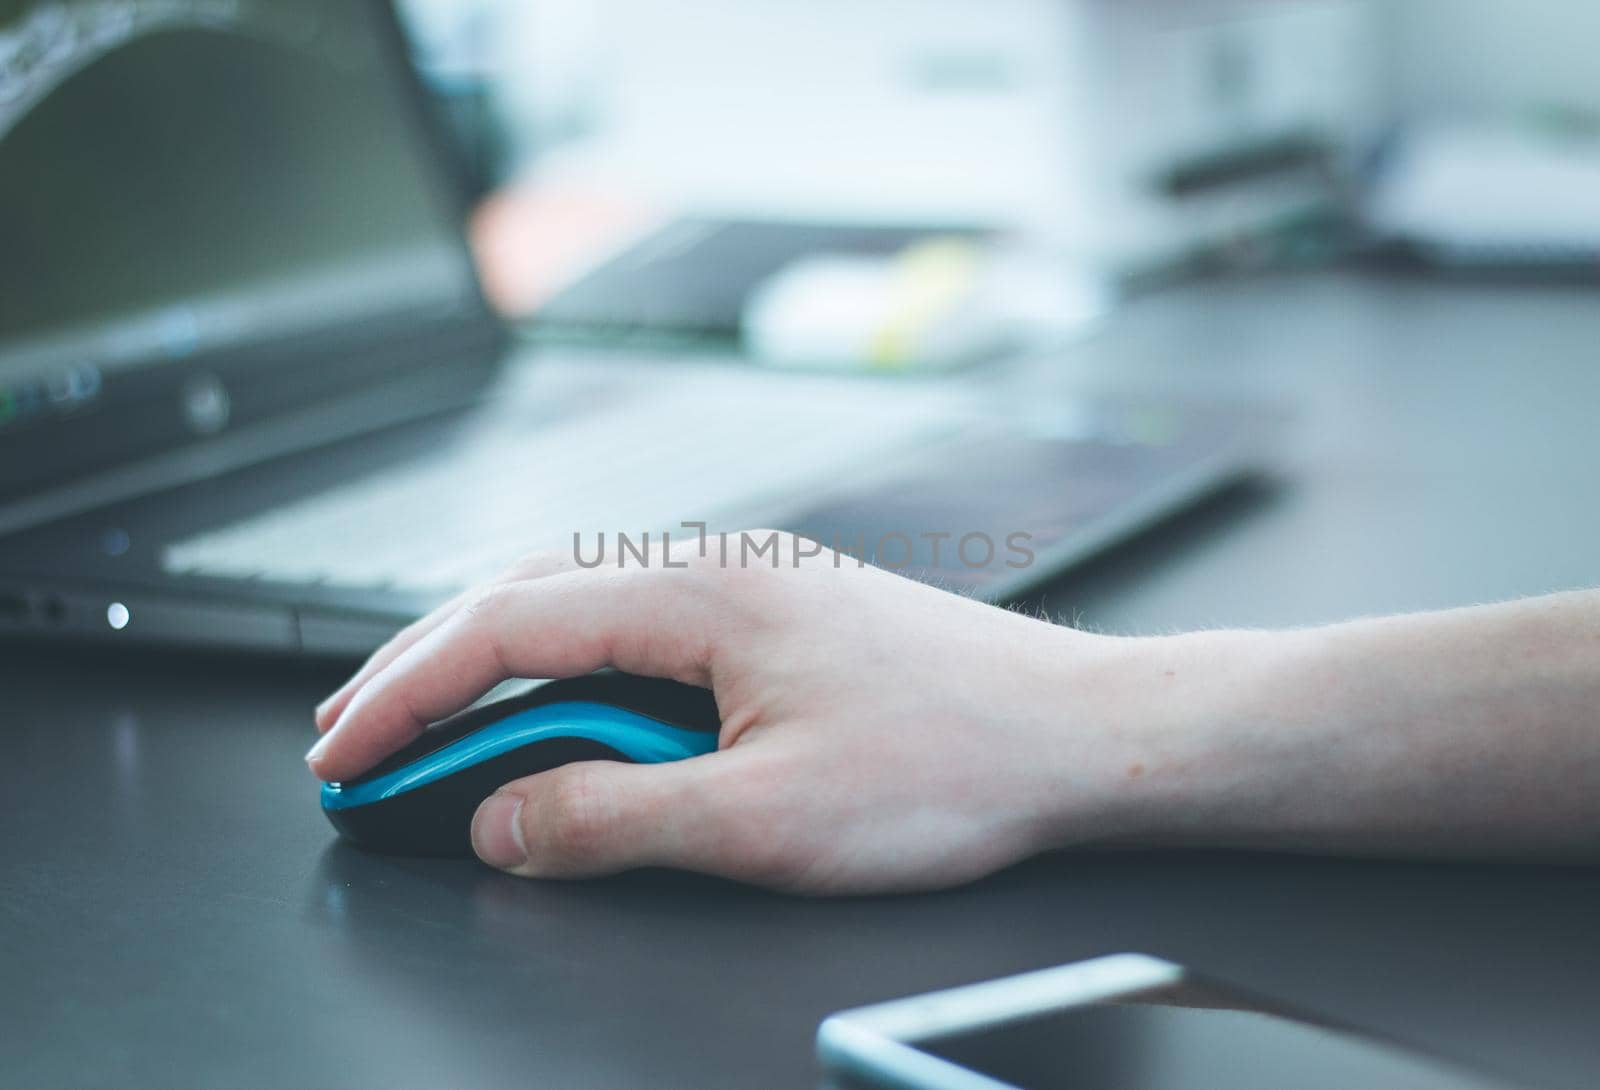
[[1191, 753]]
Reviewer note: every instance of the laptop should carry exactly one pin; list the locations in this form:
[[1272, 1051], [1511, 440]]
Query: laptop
[[252, 398]]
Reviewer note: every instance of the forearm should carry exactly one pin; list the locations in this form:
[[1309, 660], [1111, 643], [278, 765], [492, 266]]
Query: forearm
[[1470, 732]]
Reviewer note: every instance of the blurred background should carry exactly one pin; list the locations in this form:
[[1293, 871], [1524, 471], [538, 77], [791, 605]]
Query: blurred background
[[1071, 150]]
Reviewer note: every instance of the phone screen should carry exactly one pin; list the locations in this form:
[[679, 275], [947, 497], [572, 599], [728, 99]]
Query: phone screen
[[1189, 1037]]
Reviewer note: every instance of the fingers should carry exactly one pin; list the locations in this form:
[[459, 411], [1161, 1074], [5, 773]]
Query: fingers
[[644, 621], [600, 817], [535, 566], [328, 712]]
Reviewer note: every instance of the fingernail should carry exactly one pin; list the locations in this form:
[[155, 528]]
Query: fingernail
[[321, 710], [314, 754], [497, 832]]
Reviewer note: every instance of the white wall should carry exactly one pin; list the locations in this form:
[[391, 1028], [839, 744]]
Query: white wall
[[949, 108], [932, 108], [1495, 55], [883, 108]]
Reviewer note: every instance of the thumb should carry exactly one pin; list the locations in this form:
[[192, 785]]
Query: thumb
[[600, 817]]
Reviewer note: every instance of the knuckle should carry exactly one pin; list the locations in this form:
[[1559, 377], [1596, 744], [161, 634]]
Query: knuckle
[[752, 582], [485, 602]]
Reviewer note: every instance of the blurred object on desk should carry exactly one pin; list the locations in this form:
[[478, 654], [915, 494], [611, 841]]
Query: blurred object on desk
[[692, 279], [1493, 164], [600, 269], [1492, 195], [1213, 129], [935, 305]]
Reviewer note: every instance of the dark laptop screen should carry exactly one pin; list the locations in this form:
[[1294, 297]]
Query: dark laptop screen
[[179, 178]]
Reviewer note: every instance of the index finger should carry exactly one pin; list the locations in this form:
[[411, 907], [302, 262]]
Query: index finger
[[536, 566], [644, 621]]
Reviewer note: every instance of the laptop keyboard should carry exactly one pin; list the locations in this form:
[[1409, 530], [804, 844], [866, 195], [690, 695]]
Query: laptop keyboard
[[463, 514]]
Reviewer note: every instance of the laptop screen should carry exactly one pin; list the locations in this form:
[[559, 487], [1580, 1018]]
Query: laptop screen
[[183, 180]]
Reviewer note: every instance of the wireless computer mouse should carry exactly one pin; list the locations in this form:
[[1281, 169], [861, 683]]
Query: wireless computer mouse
[[420, 800]]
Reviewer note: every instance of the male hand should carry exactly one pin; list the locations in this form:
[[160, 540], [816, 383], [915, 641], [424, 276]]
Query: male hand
[[877, 734]]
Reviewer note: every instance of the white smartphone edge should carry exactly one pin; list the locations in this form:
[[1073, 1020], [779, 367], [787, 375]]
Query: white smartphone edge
[[875, 1042]]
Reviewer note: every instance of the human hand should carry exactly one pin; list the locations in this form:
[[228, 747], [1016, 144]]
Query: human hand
[[877, 734]]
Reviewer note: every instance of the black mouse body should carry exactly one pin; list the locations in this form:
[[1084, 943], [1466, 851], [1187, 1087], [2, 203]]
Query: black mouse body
[[420, 800]]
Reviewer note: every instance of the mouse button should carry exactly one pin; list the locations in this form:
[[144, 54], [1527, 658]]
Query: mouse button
[[675, 703], [433, 739], [687, 706], [548, 754]]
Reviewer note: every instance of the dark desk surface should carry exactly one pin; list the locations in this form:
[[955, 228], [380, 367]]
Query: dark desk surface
[[174, 911]]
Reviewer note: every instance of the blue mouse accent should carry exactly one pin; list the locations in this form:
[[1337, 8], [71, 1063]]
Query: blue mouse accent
[[637, 737]]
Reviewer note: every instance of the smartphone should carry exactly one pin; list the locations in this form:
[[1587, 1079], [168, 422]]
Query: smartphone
[[1127, 1022]]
